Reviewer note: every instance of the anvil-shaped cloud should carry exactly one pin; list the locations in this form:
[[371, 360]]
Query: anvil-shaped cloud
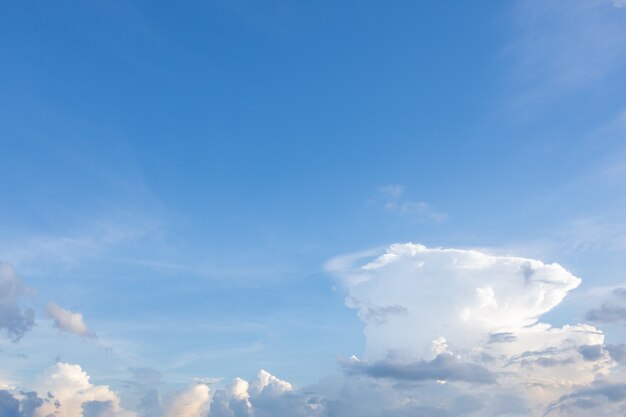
[[413, 298], [437, 313]]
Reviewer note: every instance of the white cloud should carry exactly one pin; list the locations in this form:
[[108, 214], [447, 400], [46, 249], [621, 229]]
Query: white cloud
[[72, 392], [481, 310], [192, 402], [465, 294], [67, 321], [269, 384], [265, 396]]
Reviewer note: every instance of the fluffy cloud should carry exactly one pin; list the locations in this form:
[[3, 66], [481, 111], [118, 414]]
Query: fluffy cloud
[[74, 395], [265, 396], [69, 322], [463, 296], [192, 402], [14, 319]]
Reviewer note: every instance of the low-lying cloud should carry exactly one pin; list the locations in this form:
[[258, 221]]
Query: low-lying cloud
[[449, 332]]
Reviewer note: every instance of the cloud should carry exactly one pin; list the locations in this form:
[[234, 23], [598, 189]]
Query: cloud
[[22, 404], [611, 311], [14, 319], [449, 332], [98, 409], [466, 296], [445, 367], [192, 402], [68, 322], [43, 252], [418, 211], [563, 47], [380, 315], [73, 393], [265, 396], [601, 397], [471, 317]]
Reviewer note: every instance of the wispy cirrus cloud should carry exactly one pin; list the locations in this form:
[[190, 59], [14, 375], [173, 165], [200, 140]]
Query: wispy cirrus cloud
[[563, 46], [392, 199]]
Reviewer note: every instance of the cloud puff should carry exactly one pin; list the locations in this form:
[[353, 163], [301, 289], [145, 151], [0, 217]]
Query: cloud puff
[[14, 319], [192, 402], [68, 322], [75, 395], [265, 396]]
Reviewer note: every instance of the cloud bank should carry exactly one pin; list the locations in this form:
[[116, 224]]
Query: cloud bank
[[449, 332]]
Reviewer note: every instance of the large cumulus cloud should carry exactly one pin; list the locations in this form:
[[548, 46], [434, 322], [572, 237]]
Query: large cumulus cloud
[[462, 296], [478, 311]]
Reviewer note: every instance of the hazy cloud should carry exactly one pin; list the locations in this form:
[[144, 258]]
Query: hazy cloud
[[420, 211], [15, 320], [611, 311], [445, 367], [416, 210]]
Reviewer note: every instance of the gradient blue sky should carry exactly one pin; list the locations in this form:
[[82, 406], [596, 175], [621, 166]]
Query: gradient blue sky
[[181, 174]]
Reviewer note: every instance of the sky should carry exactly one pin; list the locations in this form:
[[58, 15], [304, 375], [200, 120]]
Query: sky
[[239, 208]]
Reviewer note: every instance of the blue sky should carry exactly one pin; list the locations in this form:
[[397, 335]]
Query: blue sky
[[188, 177]]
